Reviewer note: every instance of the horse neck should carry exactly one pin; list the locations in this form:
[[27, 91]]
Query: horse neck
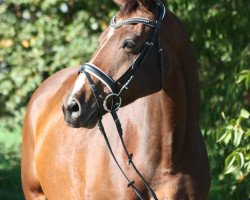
[[165, 133], [181, 59], [172, 115]]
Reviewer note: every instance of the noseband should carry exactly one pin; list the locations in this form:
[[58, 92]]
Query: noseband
[[116, 90]]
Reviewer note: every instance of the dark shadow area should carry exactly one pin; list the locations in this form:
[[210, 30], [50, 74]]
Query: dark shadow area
[[10, 182]]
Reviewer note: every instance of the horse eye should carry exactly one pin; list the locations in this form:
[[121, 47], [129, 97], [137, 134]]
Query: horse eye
[[130, 44]]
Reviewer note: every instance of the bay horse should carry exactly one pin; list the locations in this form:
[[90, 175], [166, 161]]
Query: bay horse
[[126, 124]]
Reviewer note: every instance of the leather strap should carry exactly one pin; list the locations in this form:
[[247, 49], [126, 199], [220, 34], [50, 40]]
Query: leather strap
[[102, 76]]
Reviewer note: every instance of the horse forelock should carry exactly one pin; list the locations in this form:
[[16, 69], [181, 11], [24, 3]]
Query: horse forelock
[[129, 7]]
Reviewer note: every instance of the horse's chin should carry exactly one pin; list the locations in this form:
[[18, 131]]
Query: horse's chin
[[89, 123]]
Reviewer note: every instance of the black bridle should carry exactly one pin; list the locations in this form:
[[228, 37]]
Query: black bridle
[[116, 91]]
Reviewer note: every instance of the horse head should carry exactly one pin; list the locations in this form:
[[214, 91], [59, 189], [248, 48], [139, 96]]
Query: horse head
[[127, 64]]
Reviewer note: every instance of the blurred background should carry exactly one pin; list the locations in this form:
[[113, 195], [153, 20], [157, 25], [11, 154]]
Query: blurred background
[[38, 38]]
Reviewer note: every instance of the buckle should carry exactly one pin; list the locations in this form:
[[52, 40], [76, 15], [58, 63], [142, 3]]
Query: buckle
[[112, 102]]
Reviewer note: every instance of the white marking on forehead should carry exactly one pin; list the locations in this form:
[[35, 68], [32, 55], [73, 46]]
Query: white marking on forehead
[[80, 81], [110, 33]]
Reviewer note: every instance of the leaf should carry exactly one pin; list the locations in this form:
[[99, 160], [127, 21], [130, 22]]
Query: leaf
[[247, 82], [228, 137], [244, 113], [225, 137], [238, 133], [244, 75], [245, 72], [241, 78], [247, 157], [230, 127], [248, 133], [233, 162], [224, 117], [241, 159], [229, 163]]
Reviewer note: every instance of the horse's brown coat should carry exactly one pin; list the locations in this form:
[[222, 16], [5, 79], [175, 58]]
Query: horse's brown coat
[[161, 129]]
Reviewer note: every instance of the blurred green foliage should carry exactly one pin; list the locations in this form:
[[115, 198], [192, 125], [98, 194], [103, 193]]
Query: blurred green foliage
[[10, 187], [38, 38], [220, 32]]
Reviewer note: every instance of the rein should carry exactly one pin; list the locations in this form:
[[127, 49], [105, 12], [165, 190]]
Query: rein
[[115, 95]]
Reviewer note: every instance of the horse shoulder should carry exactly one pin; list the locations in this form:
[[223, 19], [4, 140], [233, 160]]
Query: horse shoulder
[[47, 95], [39, 106]]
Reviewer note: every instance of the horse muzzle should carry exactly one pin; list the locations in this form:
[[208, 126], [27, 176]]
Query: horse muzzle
[[77, 116]]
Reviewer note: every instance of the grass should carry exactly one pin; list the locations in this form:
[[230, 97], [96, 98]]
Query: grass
[[10, 170]]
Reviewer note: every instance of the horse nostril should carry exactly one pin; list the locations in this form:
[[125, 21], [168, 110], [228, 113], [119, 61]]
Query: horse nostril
[[74, 108]]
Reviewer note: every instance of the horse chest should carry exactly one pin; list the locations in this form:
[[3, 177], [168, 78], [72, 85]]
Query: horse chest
[[78, 161]]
